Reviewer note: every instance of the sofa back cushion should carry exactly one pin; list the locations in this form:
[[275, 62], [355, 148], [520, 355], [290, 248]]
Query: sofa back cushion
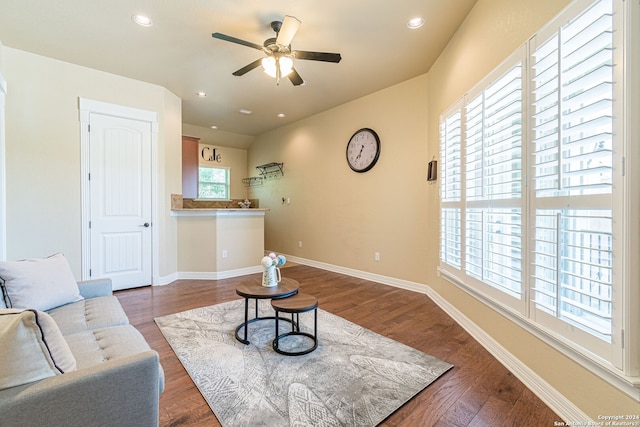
[[31, 348], [41, 284]]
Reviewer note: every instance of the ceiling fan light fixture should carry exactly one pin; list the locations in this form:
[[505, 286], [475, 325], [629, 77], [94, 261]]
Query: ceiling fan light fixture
[[269, 65], [284, 62], [286, 65]]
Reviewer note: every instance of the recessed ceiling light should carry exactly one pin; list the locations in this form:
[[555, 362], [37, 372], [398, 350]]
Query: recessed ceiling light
[[201, 94], [243, 111], [142, 20], [281, 115], [214, 127], [415, 23]]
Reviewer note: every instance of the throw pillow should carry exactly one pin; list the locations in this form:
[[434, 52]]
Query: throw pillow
[[31, 348], [41, 284]]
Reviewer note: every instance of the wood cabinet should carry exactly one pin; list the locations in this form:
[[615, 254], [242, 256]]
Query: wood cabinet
[[190, 167]]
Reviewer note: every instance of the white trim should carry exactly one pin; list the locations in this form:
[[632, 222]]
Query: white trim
[[3, 171], [165, 280], [85, 108], [631, 131], [217, 275], [555, 400]]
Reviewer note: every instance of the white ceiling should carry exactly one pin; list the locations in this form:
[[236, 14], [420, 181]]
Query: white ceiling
[[178, 52]]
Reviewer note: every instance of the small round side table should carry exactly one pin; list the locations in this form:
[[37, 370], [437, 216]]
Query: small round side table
[[253, 289], [296, 304]]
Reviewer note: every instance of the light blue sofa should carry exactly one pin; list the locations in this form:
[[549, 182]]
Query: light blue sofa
[[118, 378]]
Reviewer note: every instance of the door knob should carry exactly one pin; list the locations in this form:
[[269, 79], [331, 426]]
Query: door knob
[[146, 224]]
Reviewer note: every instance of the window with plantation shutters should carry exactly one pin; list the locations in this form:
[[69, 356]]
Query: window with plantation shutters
[[572, 132], [529, 193]]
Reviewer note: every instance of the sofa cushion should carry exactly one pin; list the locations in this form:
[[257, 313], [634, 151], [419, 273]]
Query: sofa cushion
[[88, 314], [31, 348], [41, 284], [101, 345]]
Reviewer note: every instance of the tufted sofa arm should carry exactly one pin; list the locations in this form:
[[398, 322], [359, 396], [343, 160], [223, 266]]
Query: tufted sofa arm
[[124, 391]]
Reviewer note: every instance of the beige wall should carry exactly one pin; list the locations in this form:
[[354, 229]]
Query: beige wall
[[43, 153], [169, 182], [202, 239], [342, 217]]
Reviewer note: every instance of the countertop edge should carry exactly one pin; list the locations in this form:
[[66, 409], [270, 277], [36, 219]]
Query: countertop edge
[[218, 212]]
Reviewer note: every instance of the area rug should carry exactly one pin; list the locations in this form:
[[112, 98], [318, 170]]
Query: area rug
[[354, 378]]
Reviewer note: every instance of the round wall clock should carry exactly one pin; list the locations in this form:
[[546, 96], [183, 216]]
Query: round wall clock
[[363, 150]]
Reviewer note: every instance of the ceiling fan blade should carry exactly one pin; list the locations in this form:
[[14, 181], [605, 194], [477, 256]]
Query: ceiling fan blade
[[235, 40], [288, 30], [295, 78], [242, 71], [317, 56]]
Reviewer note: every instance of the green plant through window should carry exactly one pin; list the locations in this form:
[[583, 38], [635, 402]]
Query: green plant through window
[[213, 183]]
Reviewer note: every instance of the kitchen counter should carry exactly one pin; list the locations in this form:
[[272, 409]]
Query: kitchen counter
[[218, 212]]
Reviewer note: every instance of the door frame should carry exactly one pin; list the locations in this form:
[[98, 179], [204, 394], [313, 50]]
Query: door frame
[[87, 107], [3, 170]]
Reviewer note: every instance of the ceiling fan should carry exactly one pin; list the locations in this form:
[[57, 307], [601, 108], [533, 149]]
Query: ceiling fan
[[278, 61]]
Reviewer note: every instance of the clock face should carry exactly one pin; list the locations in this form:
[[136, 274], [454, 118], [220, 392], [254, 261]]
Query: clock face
[[363, 150]]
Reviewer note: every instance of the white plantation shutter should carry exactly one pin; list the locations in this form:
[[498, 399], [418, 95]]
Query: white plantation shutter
[[451, 237], [451, 157], [474, 159], [573, 272], [493, 171], [503, 136], [451, 190], [572, 78], [543, 242]]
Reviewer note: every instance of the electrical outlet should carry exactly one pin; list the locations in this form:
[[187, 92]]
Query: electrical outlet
[[376, 256], [299, 243], [224, 253]]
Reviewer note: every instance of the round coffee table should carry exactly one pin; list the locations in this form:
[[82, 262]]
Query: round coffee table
[[299, 303], [253, 289]]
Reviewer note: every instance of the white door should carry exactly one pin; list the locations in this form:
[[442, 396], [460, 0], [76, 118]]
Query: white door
[[120, 206]]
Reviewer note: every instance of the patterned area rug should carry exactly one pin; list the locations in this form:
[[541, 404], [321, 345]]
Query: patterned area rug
[[354, 378]]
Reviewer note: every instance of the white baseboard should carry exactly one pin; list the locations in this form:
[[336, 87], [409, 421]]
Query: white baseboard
[[555, 400], [164, 280], [217, 275], [205, 275]]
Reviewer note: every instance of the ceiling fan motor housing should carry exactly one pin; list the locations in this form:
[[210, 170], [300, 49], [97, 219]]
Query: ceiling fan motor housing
[[270, 44]]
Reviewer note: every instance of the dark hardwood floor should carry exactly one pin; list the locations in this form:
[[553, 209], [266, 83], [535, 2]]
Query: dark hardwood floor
[[478, 391]]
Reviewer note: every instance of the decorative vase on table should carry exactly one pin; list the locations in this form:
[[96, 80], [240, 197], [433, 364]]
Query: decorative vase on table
[[271, 274]]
